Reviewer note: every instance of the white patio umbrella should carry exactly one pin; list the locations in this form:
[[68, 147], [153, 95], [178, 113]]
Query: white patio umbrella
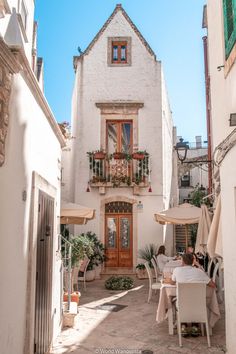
[[214, 243], [75, 214], [203, 230], [183, 214]]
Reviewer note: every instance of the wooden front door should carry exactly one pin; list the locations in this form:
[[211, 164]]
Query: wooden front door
[[119, 235]]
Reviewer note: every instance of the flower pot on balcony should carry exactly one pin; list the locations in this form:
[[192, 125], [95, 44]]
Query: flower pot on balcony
[[137, 156], [118, 155], [99, 155]]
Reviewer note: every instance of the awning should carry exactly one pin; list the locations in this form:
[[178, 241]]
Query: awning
[[75, 214], [182, 214]]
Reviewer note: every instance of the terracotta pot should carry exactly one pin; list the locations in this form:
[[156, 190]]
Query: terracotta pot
[[118, 156], [141, 273], [74, 297], [99, 155], [138, 156]]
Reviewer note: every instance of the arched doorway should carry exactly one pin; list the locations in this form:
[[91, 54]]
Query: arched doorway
[[119, 234]]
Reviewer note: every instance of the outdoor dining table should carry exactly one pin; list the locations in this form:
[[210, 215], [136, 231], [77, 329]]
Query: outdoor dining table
[[165, 305]]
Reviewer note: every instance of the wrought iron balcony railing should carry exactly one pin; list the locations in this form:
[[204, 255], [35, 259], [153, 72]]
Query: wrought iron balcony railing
[[119, 169]]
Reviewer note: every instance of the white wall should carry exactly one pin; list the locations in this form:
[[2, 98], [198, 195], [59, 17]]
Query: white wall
[[31, 145], [223, 102]]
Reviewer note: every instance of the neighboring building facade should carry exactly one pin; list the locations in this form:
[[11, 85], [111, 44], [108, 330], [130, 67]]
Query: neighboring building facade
[[191, 175], [30, 155], [220, 21], [120, 106]]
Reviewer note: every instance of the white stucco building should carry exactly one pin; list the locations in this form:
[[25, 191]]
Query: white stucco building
[[30, 157], [220, 21], [120, 105]]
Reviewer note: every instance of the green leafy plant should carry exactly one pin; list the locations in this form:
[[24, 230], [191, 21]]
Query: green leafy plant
[[197, 194], [121, 155], [148, 252], [140, 266], [119, 283], [82, 246], [118, 180], [98, 256]]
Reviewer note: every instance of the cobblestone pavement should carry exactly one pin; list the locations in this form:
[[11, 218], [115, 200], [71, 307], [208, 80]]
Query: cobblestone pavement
[[131, 330]]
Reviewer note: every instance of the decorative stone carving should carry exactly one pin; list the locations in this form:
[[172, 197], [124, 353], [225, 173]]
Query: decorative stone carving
[[5, 90]]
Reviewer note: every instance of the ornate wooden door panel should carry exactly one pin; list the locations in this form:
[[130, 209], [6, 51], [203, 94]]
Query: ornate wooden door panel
[[125, 241], [111, 241], [119, 235]]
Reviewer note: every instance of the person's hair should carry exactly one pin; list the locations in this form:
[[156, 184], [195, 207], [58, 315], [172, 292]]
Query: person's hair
[[161, 250], [187, 258]]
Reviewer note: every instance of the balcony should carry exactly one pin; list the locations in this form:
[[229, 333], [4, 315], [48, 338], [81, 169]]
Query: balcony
[[119, 169]]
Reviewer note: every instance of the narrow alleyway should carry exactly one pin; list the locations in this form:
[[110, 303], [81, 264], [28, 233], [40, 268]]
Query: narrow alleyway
[[130, 326]]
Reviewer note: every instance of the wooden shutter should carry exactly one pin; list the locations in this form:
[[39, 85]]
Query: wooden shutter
[[229, 25]]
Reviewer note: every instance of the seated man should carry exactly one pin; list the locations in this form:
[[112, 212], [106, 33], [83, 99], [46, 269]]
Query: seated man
[[189, 273]]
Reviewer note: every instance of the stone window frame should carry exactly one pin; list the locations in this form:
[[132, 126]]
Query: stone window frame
[[110, 40]]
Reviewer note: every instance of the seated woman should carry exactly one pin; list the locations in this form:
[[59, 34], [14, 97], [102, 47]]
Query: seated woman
[[162, 259]]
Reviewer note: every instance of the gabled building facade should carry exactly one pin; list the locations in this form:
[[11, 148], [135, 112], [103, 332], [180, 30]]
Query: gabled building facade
[[30, 157], [220, 43], [120, 107]]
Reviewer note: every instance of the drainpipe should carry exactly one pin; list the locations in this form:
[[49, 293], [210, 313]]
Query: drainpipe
[[208, 112]]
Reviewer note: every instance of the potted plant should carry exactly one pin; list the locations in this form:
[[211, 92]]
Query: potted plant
[[99, 155], [148, 252], [141, 271], [140, 155], [121, 156], [118, 155], [97, 258], [82, 247]]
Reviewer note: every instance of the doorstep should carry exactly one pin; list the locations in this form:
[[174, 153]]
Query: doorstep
[[118, 271]]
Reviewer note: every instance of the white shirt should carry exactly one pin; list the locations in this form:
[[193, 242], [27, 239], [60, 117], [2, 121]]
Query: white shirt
[[162, 259], [189, 274]]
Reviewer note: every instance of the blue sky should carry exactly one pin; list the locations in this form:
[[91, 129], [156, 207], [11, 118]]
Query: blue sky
[[171, 27]]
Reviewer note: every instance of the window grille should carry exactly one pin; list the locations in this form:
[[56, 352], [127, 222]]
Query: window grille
[[118, 208]]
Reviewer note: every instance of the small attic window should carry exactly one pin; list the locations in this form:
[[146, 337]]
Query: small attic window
[[119, 51]]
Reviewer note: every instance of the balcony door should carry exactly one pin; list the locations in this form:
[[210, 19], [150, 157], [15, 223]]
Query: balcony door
[[119, 234], [119, 136]]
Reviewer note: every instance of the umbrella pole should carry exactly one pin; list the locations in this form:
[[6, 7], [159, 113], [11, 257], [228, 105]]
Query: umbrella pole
[[186, 238]]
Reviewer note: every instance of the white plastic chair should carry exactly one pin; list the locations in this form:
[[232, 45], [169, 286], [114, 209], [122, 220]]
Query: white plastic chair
[[156, 270], [152, 286], [157, 263], [191, 306]]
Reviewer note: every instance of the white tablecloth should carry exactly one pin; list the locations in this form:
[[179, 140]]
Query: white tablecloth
[[171, 265]]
